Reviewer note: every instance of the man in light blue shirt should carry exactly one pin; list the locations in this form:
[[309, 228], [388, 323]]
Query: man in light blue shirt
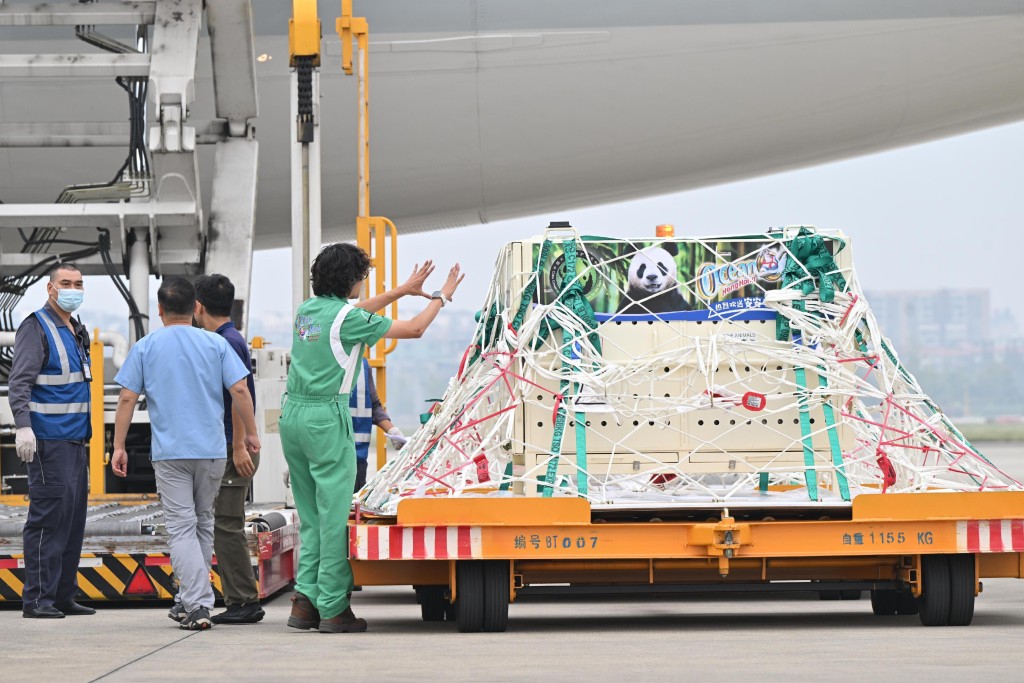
[[183, 371]]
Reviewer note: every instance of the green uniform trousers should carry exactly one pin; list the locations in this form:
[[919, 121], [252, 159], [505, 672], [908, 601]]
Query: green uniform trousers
[[316, 434], [234, 564]]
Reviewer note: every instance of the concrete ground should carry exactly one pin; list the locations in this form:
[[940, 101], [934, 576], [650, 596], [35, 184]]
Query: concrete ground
[[791, 638], [794, 638]]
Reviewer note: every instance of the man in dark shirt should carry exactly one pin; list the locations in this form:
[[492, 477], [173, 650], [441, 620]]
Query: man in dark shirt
[[49, 396], [215, 295]]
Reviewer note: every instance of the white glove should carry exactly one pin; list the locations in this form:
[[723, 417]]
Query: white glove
[[287, 479], [25, 443], [397, 438]]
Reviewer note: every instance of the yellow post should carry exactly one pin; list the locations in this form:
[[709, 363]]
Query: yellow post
[[97, 443], [372, 233], [304, 32]]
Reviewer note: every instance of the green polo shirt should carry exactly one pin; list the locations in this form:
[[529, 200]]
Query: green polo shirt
[[328, 339]]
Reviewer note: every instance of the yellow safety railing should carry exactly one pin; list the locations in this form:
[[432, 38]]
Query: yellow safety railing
[[376, 235]]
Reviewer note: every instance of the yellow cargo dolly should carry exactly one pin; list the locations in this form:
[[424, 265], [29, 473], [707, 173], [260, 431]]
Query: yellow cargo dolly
[[923, 553]]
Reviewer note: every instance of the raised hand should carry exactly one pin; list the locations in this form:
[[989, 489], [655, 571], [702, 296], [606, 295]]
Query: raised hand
[[455, 276], [414, 285]]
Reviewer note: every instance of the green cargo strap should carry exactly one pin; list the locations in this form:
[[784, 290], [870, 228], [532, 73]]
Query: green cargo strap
[[810, 474], [531, 286], [570, 296], [506, 478], [487, 333], [582, 485], [808, 255], [762, 482], [833, 441], [556, 450]]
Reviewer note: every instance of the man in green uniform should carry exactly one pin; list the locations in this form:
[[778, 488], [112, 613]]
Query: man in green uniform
[[328, 341]]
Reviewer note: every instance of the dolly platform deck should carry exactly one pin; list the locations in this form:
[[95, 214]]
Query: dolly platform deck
[[918, 553]]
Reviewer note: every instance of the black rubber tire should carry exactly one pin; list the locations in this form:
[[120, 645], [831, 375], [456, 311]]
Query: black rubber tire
[[850, 594], [885, 602], [469, 595], [933, 605], [906, 604], [961, 589], [496, 596], [830, 595], [433, 603]]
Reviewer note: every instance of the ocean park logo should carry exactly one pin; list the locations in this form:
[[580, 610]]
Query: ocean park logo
[[307, 328], [715, 280]]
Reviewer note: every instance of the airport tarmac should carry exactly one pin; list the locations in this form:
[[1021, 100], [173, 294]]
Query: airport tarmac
[[791, 638], [795, 638]]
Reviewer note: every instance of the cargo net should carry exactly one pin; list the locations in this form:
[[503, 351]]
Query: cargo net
[[682, 373]]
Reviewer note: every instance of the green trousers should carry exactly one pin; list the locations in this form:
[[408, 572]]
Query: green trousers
[[316, 435], [237, 580]]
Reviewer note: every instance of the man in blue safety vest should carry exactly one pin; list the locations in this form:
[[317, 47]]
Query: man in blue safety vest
[[367, 411], [49, 396]]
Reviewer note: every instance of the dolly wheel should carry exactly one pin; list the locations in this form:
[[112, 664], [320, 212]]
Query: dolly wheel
[[469, 595], [884, 602], [496, 596], [433, 604], [933, 604], [961, 589], [906, 604]]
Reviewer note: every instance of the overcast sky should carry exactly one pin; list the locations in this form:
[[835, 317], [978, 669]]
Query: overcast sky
[[942, 214]]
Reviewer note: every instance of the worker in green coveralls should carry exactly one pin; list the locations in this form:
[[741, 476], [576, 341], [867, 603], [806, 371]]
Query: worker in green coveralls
[[330, 335]]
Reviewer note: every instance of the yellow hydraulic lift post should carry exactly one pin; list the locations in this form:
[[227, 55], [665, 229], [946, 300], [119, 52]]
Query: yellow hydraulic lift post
[[375, 234], [304, 59]]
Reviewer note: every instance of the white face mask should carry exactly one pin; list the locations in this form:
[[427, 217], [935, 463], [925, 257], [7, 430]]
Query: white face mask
[[70, 299]]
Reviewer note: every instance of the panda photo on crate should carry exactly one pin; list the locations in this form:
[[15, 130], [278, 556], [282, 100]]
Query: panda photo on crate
[[652, 283]]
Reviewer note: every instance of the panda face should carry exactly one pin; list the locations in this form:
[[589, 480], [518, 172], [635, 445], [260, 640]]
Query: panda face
[[652, 270]]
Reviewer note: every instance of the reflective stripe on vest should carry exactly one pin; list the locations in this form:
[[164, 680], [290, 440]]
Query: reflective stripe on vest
[[59, 404], [361, 407], [58, 408]]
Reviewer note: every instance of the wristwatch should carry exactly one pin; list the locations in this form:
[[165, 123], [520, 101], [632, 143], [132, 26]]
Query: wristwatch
[[438, 294]]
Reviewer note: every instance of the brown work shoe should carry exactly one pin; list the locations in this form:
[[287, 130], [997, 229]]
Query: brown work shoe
[[346, 622], [304, 614]]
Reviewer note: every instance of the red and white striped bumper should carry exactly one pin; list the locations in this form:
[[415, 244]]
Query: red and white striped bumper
[[368, 542], [993, 536]]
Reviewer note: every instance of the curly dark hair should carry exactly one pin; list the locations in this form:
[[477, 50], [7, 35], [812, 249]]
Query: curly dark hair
[[337, 269]]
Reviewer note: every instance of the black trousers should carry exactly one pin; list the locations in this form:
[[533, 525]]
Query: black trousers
[[360, 474], [58, 495]]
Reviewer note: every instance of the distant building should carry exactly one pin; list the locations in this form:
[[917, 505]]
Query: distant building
[[943, 320]]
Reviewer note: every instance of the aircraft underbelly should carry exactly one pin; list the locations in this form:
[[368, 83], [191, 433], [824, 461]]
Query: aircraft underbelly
[[470, 128]]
